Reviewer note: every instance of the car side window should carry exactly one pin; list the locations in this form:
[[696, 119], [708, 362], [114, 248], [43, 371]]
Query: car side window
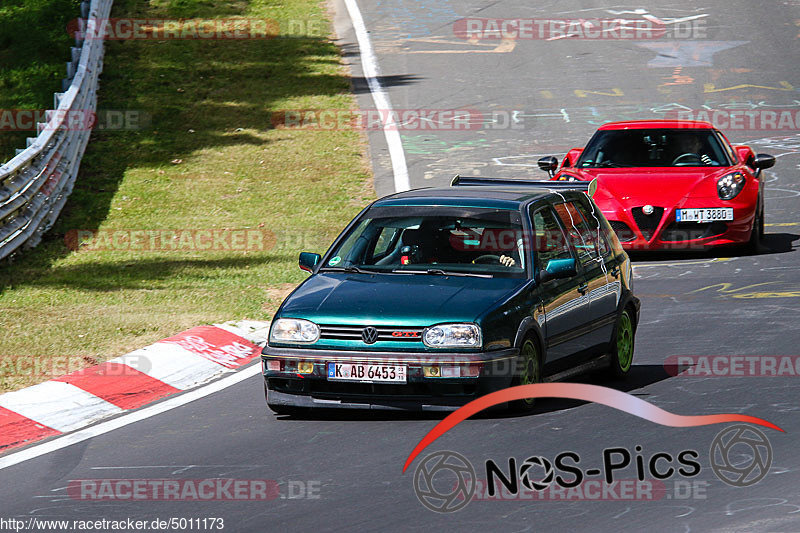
[[386, 240], [583, 239], [726, 146], [587, 210], [549, 239]]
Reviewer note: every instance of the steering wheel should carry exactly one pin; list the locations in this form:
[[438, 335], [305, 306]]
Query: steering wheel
[[685, 156], [486, 259]]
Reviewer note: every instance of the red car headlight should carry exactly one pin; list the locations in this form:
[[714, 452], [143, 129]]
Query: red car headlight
[[729, 185]]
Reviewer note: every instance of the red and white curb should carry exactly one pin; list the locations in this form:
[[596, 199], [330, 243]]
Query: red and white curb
[[169, 366]]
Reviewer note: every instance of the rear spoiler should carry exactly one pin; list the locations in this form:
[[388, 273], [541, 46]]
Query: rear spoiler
[[468, 181]]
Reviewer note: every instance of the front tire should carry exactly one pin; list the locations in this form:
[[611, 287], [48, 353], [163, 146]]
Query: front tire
[[530, 372], [621, 355], [757, 234]]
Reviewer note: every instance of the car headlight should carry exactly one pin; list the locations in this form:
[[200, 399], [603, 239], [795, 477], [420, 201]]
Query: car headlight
[[567, 177], [449, 335], [294, 330], [729, 185]]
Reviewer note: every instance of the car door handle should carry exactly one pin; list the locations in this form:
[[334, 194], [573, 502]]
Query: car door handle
[[583, 288], [615, 272]]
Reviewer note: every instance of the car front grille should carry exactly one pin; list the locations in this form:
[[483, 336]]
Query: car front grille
[[623, 231], [385, 333], [686, 231], [647, 223]]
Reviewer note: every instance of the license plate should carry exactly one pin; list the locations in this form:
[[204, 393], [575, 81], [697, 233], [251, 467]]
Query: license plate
[[366, 373], [705, 214]]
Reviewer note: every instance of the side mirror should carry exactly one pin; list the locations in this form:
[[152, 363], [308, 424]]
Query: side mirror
[[549, 164], [763, 161], [558, 269], [308, 261]]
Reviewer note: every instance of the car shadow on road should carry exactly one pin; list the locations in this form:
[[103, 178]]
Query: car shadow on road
[[639, 377], [771, 243], [778, 243]]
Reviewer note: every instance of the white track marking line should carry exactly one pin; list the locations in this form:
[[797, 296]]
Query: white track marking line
[[369, 65], [124, 420]]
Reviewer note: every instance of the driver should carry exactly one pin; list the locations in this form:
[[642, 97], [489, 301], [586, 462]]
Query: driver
[[507, 261], [692, 145], [506, 245]]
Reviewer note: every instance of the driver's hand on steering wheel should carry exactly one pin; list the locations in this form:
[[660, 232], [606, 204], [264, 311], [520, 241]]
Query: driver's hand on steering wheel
[[507, 261]]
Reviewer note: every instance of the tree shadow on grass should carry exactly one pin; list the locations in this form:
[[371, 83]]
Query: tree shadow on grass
[[145, 273], [225, 91]]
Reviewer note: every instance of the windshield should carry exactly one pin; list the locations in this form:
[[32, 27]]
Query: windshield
[[433, 240], [654, 148]]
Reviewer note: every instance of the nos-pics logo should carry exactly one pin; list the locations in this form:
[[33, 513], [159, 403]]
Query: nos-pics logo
[[446, 481]]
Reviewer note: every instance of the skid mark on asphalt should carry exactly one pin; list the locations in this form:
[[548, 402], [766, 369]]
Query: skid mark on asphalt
[[782, 86], [703, 263], [727, 290], [428, 145], [505, 46]]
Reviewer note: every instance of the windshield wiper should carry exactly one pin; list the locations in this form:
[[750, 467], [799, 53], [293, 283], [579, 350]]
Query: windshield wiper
[[352, 269], [611, 164], [440, 272]]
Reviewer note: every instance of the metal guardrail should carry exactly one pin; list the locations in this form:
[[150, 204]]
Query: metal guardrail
[[35, 184]]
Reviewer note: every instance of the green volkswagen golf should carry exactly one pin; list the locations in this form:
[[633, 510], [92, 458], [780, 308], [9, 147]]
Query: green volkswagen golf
[[432, 297]]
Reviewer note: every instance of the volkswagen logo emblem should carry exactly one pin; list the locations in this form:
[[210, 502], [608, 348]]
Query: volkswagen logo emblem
[[369, 335], [648, 210]]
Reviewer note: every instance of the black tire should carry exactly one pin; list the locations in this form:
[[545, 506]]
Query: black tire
[[622, 346], [529, 371], [754, 244]]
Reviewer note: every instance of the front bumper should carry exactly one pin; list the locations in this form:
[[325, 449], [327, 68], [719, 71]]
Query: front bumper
[[287, 387], [661, 231]]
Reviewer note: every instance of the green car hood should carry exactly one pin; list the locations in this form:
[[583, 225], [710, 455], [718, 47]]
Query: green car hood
[[396, 299]]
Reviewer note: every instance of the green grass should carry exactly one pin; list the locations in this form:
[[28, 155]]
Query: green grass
[[236, 171], [34, 49]]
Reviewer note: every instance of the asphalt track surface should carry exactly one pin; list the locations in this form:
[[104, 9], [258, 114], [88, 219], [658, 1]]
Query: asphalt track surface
[[711, 304]]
